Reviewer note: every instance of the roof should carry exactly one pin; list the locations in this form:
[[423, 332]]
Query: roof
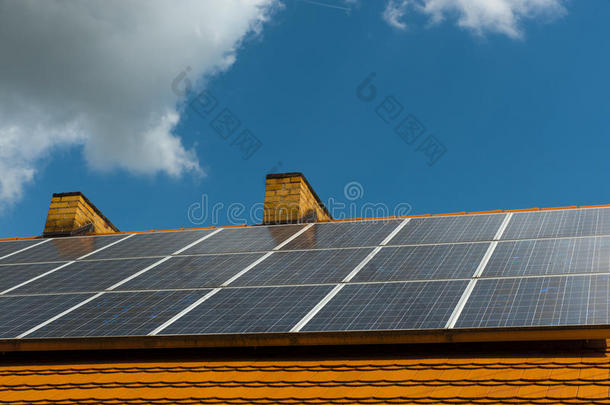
[[498, 211], [438, 374]]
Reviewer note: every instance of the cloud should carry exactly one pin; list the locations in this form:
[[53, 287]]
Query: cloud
[[97, 74], [394, 12], [480, 16]]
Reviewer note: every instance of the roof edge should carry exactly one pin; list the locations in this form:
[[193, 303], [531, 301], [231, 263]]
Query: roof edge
[[287, 339], [499, 211]]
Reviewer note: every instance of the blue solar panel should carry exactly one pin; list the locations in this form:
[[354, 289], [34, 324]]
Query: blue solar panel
[[456, 228], [11, 247], [120, 314], [538, 301], [413, 282], [154, 244], [18, 314], [62, 249], [192, 272], [558, 223], [250, 239], [550, 256], [85, 276], [248, 310], [389, 306], [424, 262], [343, 234], [14, 274], [304, 267]]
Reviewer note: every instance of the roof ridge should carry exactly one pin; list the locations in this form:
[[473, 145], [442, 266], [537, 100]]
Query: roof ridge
[[498, 211]]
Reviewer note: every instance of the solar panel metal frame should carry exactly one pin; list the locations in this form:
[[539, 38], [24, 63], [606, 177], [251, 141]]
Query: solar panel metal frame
[[331, 237], [257, 239], [119, 314], [84, 276], [303, 337], [542, 257], [450, 229], [559, 223], [62, 249], [158, 244]]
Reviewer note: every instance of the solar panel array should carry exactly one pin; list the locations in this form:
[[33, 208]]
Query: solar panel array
[[538, 268]]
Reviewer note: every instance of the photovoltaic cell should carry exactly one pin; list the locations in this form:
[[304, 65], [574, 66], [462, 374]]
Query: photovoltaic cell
[[9, 247], [559, 223], [457, 228], [343, 234], [19, 314], [249, 310], [192, 272], [85, 276], [304, 267], [120, 314], [538, 301], [389, 306], [250, 239], [62, 249], [151, 244], [14, 274], [424, 262], [550, 256]]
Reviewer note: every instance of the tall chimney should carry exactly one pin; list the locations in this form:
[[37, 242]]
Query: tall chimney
[[289, 198], [73, 214]]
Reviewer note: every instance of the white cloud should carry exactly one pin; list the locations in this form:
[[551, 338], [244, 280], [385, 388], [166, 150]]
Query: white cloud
[[97, 73], [480, 16], [394, 12]]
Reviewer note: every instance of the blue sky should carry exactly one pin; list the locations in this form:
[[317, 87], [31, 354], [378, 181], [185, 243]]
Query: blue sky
[[524, 118]]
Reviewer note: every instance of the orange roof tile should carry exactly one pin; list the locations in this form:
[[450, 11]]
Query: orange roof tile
[[461, 377]]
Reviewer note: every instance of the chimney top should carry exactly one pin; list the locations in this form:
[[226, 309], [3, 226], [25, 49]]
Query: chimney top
[[72, 214], [289, 198]]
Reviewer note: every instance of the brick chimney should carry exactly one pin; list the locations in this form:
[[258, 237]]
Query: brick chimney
[[73, 214], [289, 198]]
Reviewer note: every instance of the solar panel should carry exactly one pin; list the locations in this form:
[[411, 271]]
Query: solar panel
[[458, 228], [550, 256], [389, 306], [248, 310], [9, 247], [343, 234], [62, 249], [538, 301], [251, 239], [559, 223], [85, 276], [325, 277], [19, 314], [424, 262], [120, 314], [192, 272], [14, 274], [304, 267], [151, 244]]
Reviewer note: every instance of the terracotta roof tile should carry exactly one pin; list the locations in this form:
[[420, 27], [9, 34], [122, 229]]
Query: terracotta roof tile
[[505, 380]]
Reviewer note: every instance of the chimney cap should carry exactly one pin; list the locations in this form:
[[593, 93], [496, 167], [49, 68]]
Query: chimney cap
[[311, 190], [92, 206]]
